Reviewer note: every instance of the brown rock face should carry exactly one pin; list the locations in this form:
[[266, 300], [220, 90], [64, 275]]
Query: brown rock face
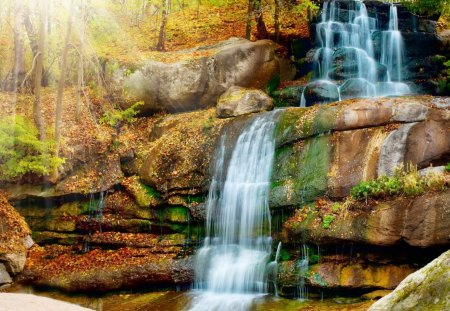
[[178, 160], [198, 83], [421, 221]]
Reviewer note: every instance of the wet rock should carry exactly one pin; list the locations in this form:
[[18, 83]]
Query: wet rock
[[288, 96], [425, 289], [238, 101], [320, 92], [353, 88], [198, 83]]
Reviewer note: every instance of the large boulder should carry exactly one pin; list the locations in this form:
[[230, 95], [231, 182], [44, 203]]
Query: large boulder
[[198, 82], [425, 289], [238, 101]]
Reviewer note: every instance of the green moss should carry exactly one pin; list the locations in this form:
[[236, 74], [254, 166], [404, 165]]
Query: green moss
[[299, 123], [174, 214]]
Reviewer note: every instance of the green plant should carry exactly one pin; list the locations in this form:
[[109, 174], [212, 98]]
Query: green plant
[[335, 207], [447, 167], [404, 181], [429, 8], [327, 220], [115, 117], [21, 151]]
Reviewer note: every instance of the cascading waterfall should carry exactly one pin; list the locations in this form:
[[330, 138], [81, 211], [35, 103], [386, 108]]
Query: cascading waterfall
[[345, 62], [231, 266]]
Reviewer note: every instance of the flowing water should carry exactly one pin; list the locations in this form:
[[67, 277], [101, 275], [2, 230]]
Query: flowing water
[[231, 265], [345, 62]]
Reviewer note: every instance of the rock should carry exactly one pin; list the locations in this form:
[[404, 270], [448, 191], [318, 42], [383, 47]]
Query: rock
[[288, 96], [320, 92], [425, 289], [413, 221], [198, 83], [5, 278], [355, 87], [392, 153], [27, 302], [143, 195], [105, 270], [14, 238], [238, 101], [376, 294], [178, 160]]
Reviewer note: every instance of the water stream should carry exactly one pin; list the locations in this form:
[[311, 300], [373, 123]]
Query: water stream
[[231, 265], [345, 63]]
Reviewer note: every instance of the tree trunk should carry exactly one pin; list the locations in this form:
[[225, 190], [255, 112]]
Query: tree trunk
[[80, 74], [260, 25], [62, 77], [248, 24], [277, 20], [162, 31], [19, 49], [37, 114]]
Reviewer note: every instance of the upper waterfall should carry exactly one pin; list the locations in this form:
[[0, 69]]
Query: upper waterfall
[[345, 63], [231, 264]]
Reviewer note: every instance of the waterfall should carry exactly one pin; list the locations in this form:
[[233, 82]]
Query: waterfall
[[302, 266], [392, 57], [345, 54], [231, 265]]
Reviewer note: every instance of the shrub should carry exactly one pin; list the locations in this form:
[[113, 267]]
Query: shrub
[[404, 181], [21, 151], [327, 220], [116, 117]]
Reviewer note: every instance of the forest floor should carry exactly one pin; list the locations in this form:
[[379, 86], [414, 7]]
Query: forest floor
[[119, 36]]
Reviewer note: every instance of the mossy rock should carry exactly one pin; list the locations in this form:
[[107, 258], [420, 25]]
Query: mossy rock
[[145, 196], [299, 123], [287, 97], [174, 214], [300, 172]]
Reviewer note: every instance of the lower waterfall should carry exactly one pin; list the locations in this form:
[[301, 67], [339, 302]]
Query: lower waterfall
[[231, 265]]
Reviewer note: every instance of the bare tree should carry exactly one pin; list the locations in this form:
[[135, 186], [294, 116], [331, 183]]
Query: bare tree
[[162, 30], [248, 24], [37, 114], [80, 74], [276, 18], [19, 49], [62, 78]]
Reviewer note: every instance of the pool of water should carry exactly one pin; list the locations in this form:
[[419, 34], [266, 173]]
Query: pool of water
[[177, 301]]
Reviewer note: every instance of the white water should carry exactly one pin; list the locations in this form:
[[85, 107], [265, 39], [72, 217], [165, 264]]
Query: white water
[[231, 266], [302, 267], [345, 52]]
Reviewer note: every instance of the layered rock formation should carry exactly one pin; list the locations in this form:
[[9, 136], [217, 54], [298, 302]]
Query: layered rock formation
[[143, 229]]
